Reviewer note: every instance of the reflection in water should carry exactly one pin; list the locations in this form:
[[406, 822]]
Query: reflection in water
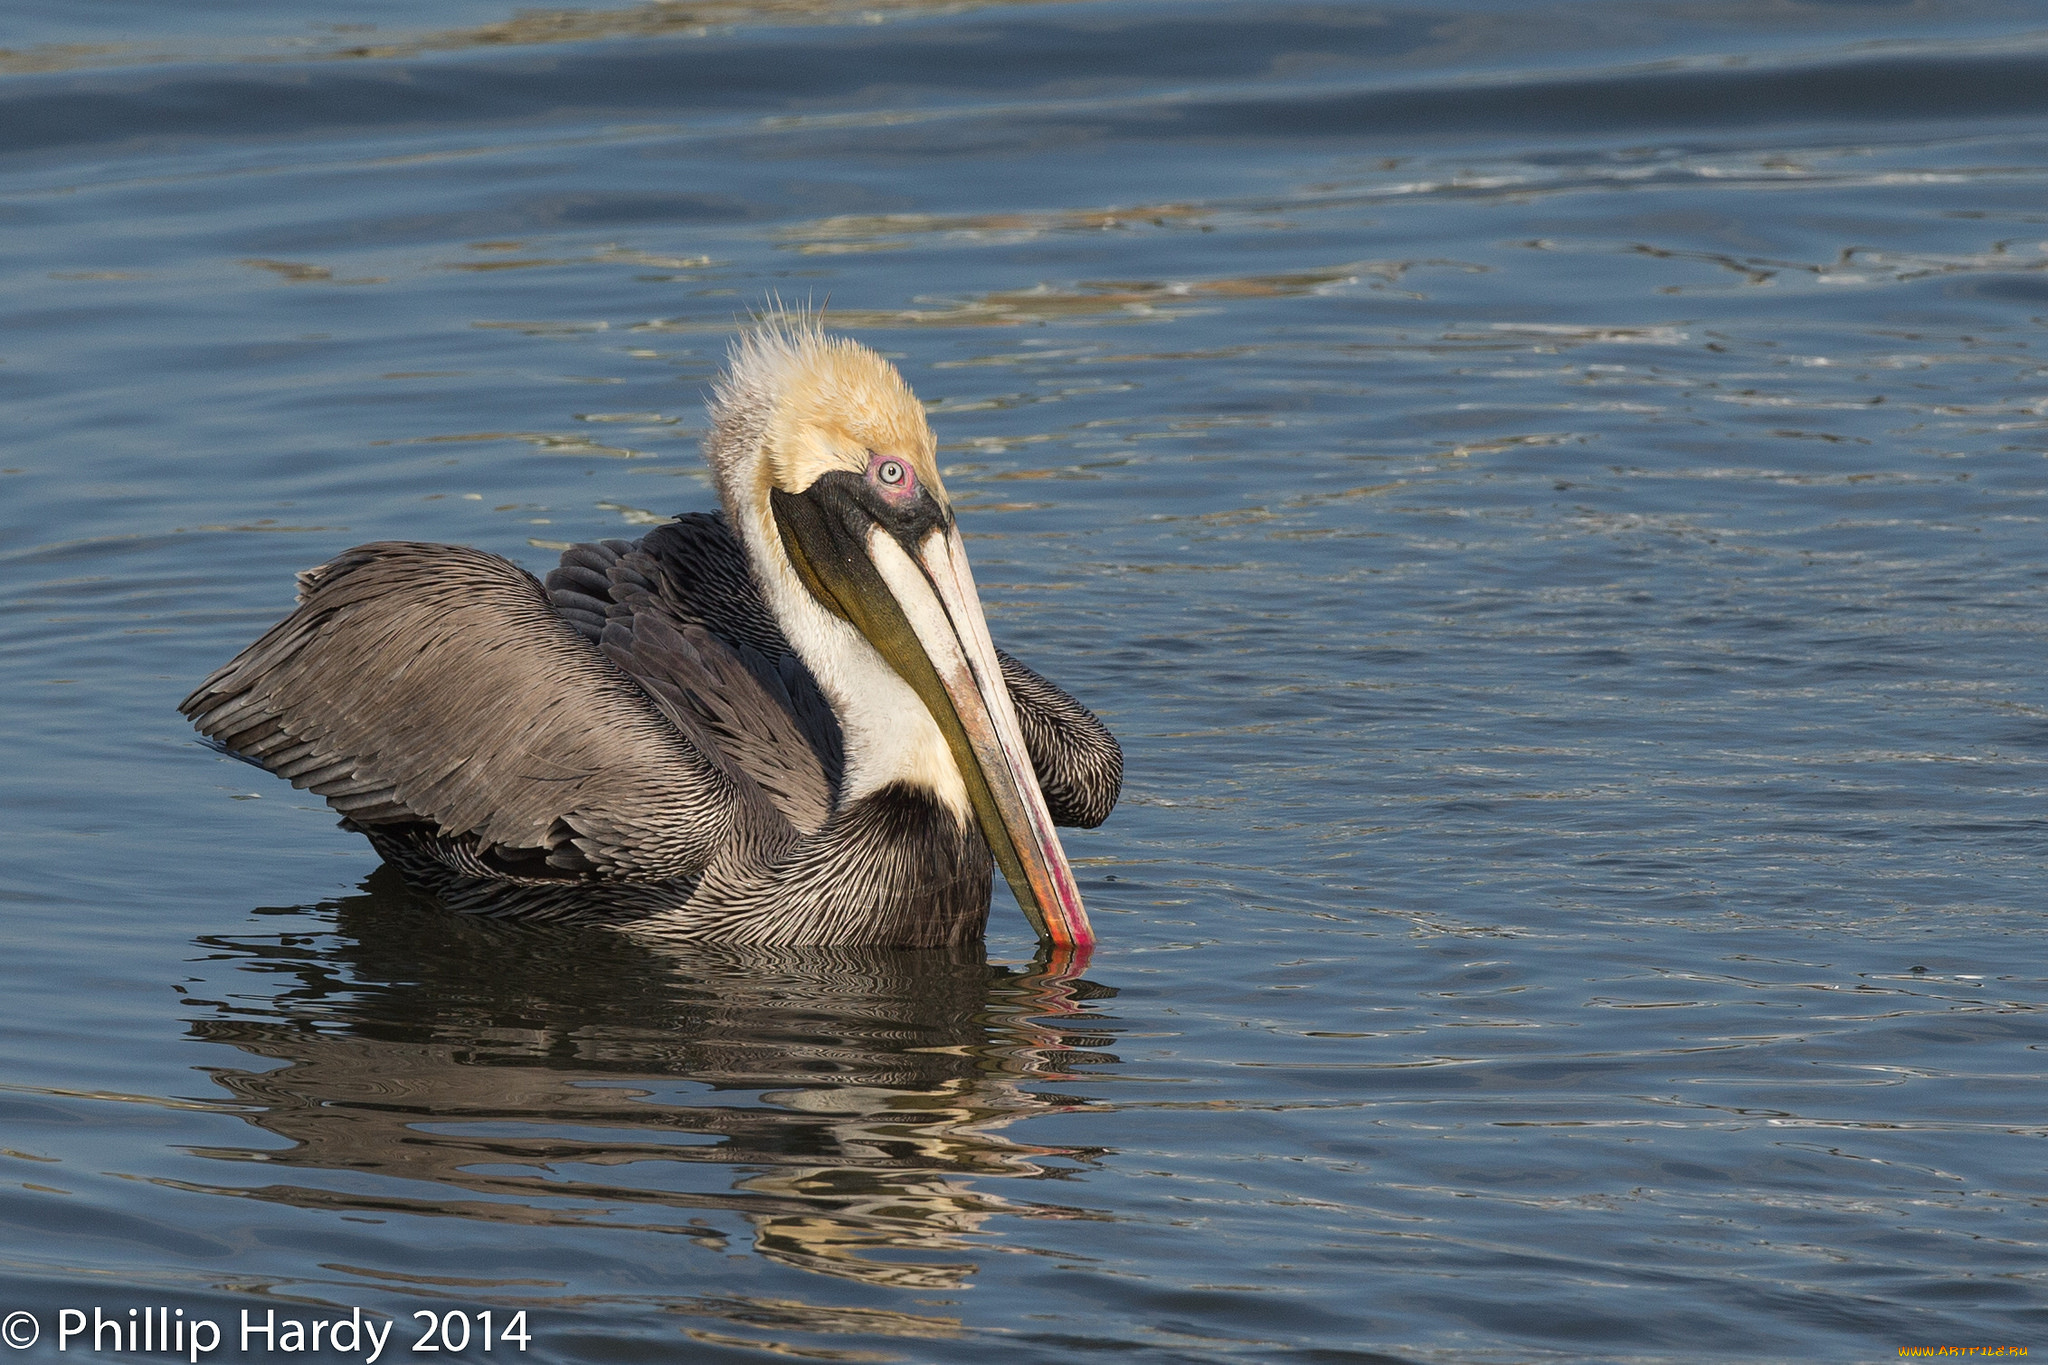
[[570, 1077]]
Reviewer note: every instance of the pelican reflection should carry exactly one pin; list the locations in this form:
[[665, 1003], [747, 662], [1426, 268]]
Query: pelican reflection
[[554, 1075]]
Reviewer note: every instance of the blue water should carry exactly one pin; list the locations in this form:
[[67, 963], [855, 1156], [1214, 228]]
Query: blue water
[[1550, 496]]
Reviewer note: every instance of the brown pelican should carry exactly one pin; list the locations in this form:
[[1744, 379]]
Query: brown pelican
[[787, 725]]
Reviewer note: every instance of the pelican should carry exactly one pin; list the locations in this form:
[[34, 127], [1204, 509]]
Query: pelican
[[782, 725]]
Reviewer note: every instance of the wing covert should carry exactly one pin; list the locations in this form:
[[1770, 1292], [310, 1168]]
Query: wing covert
[[678, 610]]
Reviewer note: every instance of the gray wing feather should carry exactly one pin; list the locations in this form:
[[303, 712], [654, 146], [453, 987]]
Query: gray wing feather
[[1079, 764], [436, 684], [678, 610], [707, 689]]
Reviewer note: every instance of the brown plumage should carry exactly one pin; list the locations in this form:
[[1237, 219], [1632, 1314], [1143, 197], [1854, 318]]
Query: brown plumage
[[649, 736]]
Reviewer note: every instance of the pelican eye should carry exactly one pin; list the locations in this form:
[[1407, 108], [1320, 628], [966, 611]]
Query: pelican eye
[[891, 475]]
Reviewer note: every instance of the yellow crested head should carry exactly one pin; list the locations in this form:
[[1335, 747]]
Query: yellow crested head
[[795, 404]]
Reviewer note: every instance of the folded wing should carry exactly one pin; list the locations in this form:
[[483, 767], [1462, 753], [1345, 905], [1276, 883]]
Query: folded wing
[[1079, 764]]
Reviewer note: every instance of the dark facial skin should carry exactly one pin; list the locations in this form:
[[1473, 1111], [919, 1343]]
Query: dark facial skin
[[825, 527]]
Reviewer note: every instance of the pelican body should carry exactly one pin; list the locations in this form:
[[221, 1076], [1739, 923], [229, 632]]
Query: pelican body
[[782, 725]]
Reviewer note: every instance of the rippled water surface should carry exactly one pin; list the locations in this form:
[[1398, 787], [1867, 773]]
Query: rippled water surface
[[1550, 496]]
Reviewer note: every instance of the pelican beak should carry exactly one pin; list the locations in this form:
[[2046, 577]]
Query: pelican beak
[[909, 591]]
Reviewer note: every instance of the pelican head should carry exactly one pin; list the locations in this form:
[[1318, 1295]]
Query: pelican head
[[829, 474]]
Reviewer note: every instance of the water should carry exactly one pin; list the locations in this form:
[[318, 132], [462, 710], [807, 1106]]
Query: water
[[1550, 497]]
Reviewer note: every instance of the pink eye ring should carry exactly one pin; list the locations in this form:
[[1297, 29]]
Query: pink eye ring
[[892, 474]]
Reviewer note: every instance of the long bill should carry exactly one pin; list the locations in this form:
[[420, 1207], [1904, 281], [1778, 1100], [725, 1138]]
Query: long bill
[[925, 618]]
